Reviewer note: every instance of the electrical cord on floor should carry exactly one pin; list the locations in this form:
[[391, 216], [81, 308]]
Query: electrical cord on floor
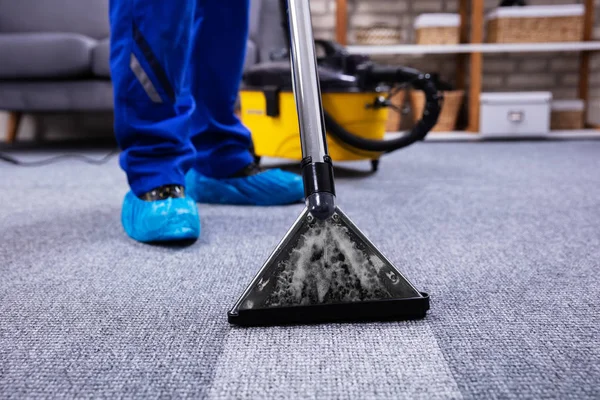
[[88, 160]]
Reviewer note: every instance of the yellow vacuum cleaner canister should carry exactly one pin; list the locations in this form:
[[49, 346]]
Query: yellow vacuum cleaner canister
[[268, 109], [278, 135]]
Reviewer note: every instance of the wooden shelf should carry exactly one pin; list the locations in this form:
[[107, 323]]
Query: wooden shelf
[[469, 54], [486, 48]]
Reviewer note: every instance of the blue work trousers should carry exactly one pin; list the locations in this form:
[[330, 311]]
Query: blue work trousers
[[176, 66]]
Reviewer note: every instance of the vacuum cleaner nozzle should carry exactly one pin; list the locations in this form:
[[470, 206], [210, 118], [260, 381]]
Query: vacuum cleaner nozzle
[[327, 271]]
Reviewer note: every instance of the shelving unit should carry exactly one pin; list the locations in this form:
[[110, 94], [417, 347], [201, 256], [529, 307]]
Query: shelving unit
[[469, 137], [472, 49], [413, 49]]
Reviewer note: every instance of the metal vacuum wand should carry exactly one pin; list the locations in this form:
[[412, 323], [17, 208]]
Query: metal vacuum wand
[[317, 168]]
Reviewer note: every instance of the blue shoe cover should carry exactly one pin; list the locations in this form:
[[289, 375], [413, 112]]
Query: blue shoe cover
[[160, 221], [268, 188]]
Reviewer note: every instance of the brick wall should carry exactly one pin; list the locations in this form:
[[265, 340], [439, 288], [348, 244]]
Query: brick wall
[[556, 72]]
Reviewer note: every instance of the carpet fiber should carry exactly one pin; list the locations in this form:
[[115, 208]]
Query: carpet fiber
[[504, 236]]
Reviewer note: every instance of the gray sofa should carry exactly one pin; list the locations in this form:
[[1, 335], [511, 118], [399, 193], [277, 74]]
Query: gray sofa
[[55, 54]]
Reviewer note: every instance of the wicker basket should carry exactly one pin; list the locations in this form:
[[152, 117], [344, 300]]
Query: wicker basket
[[394, 120], [378, 35], [536, 24], [437, 29], [567, 115], [453, 101]]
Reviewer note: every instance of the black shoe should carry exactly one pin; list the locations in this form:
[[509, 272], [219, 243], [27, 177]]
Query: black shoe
[[164, 192], [249, 170]]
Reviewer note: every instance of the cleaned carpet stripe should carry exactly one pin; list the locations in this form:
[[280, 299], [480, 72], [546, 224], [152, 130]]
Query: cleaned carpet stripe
[[377, 361]]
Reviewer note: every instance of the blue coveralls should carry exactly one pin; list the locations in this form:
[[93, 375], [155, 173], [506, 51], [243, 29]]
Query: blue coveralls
[[176, 67]]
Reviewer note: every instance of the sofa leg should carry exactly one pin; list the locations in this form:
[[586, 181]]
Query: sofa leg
[[12, 128]]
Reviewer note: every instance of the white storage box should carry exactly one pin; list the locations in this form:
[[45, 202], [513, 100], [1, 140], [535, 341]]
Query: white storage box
[[515, 114]]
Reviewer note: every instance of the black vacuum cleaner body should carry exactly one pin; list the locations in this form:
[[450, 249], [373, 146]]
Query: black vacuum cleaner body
[[325, 269]]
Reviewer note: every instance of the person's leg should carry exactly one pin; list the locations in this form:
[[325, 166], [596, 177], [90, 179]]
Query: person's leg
[[224, 171], [150, 51], [222, 142]]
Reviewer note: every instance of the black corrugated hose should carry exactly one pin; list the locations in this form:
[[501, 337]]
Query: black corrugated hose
[[431, 111]]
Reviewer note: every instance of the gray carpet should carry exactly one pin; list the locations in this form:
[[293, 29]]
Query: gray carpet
[[504, 236]]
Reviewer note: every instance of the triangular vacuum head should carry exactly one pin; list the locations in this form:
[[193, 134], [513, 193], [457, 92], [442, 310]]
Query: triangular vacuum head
[[327, 271]]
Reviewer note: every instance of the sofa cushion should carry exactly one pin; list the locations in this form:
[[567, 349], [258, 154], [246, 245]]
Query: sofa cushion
[[255, 11], [45, 55], [266, 29], [87, 17], [251, 55], [101, 59]]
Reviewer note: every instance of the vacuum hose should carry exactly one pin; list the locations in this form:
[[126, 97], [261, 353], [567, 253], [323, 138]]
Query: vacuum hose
[[370, 75]]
